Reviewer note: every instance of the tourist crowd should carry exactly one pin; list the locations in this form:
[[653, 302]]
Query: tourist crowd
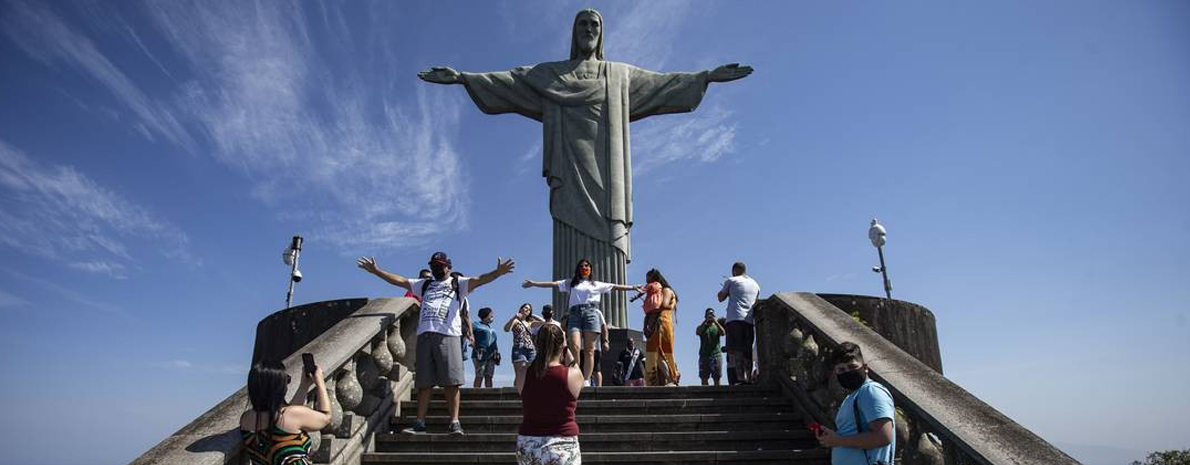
[[553, 359]]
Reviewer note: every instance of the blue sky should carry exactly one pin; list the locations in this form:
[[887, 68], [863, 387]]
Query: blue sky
[[1027, 159]]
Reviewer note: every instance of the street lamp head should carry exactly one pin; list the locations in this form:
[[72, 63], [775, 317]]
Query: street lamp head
[[877, 234]]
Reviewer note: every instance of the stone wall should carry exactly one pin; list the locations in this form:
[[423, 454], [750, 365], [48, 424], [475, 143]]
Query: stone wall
[[368, 369], [937, 422], [285, 331], [908, 325]]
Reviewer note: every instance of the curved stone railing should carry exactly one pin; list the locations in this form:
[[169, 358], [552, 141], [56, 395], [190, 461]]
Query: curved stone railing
[[937, 421], [367, 358]]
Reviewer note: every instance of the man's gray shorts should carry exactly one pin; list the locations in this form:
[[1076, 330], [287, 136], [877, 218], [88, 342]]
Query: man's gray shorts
[[439, 361]]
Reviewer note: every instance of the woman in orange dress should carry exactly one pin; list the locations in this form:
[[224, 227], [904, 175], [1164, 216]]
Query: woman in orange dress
[[661, 302]]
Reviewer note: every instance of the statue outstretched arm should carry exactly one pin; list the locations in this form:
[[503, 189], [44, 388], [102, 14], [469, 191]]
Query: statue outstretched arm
[[654, 93], [495, 92]]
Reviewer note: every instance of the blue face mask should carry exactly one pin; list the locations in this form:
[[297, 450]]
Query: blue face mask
[[852, 380]]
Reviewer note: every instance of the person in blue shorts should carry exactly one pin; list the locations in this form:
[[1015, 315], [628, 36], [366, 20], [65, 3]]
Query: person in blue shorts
[[866, 419]]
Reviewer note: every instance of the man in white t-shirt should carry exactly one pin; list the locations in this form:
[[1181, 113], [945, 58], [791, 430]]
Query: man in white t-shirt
[[439, 329], [741, 292]]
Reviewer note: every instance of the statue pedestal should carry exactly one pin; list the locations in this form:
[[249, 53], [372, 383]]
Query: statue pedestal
[[618, 340]]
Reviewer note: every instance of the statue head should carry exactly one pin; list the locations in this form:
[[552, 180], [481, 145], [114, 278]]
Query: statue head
[[587, 35]]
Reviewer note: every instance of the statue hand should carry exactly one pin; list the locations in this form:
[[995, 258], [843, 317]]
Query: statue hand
[[729, 72], [441, 75]]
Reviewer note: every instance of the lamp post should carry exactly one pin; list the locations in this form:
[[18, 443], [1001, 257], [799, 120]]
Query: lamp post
[[290, 257], [877, 235]]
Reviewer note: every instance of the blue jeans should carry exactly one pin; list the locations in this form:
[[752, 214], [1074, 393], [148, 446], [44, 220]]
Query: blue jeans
[[585, 318], [523, 354]]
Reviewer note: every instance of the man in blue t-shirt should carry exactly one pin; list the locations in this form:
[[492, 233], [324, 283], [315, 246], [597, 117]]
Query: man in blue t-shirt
[[874, 441], [486, 352]]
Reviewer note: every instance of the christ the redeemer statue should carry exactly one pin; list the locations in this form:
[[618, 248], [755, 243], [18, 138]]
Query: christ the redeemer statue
[[585, 105]]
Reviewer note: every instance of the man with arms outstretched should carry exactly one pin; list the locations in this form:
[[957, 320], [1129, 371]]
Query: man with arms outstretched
[[439, 329]]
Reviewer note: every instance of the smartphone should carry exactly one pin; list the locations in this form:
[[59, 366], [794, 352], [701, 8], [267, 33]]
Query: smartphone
[[308, 363], [816, 428]]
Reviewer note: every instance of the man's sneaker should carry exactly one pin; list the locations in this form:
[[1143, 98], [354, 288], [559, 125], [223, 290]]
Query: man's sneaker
[[455, 429], [419, 427]]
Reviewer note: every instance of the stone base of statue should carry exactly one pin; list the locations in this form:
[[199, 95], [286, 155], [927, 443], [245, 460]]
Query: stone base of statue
[[618, 340]]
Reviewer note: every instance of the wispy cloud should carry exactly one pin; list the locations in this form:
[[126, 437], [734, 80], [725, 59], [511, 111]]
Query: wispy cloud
[[58, 213], [41, 33], [281, 105], [301, 104], [114, 270], [703, 137], [80, 300], [525, 162], [9, 300], [840, 276], [186, 365], [644, 33]]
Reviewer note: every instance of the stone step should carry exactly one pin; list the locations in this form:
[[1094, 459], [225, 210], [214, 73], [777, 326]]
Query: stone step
[[775, 421], [619, 406], [765, 457], [606, 442], [625, 392]]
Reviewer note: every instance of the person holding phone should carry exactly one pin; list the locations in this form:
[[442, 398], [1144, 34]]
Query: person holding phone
[[710, 355], [549, 395], [275, 430], [523, 350]]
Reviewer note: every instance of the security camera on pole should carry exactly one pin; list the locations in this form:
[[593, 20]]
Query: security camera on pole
[[877, 235], [290, 257]]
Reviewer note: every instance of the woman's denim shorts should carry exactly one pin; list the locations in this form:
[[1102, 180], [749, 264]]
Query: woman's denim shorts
[[584, 318], [523, 354]]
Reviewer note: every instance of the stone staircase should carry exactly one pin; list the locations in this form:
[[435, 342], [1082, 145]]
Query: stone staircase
[[672, 425]]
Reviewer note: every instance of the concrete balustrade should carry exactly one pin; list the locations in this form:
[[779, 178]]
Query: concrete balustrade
[[937, 421], [363, 356]]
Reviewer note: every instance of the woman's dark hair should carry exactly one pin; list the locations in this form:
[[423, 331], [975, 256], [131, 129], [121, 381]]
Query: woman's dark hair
[[549, 342], [484, 312], [578, 276], [654, 276], [267, 383], [547, 312]]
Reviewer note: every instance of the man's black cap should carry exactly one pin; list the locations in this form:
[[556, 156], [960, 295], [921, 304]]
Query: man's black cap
[[440, 258]]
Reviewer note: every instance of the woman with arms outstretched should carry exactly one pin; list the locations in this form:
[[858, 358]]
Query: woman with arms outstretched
[[584, 324]]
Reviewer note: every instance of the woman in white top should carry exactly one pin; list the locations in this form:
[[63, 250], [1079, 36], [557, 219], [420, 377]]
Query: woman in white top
[[583, 322]]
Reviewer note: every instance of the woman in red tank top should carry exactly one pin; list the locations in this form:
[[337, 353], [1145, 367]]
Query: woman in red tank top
[[549, 395]]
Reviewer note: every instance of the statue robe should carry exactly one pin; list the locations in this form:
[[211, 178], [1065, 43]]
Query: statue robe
[[587, 161]]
